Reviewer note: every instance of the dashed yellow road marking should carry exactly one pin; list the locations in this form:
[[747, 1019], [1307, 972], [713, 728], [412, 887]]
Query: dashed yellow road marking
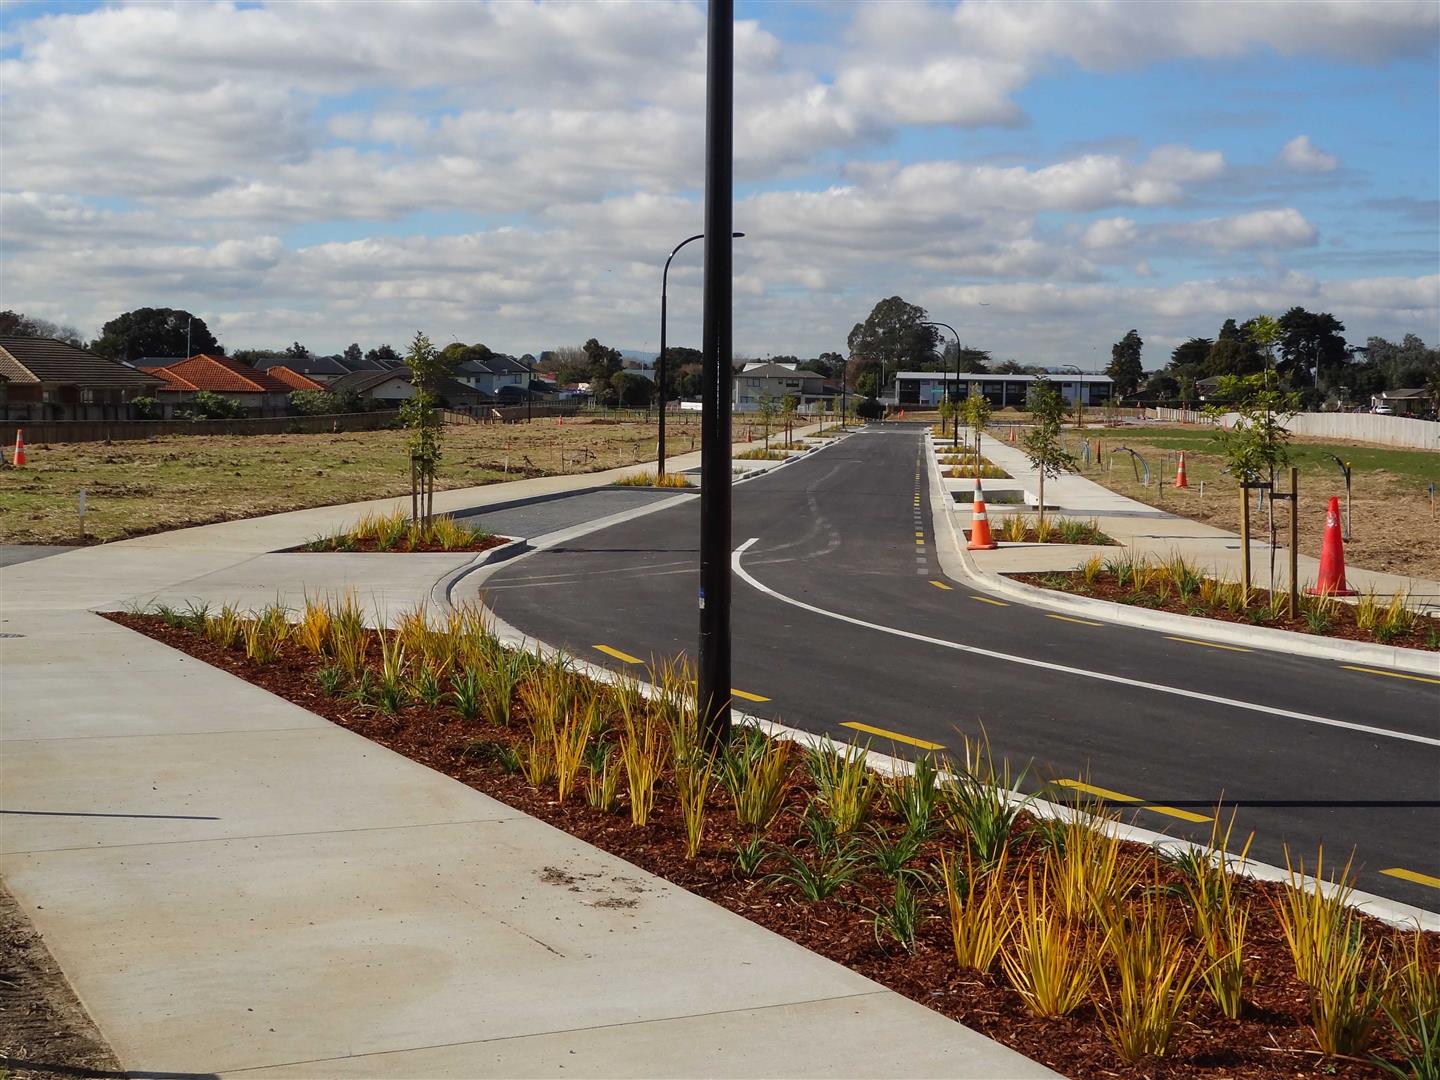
[[1413, 875], [924, 744], [747, 695], [618, 655], [941, 585], [919, 543], [1390, 674], [987, 600], [919, 535], [1104, 793], [1067, 618], [1206, 644], [1183, 815], [1121, 797]]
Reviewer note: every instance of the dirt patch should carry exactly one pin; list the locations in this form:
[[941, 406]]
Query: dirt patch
[[44, 1031], [1393, 528], [1271, 1038]]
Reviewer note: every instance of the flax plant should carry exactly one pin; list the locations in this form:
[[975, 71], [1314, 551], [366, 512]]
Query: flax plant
[[692, 786], [313, 629], [348, 640], [393, 666], [570, 738], [980, 921], [1146, 998], [756, 772], [1411, 1004], [223, 628], [1315, 924], [979, 802], [1090, 872], [1048, 959], [845, 785], [1220, 920], [642, 752], [913, 796], [602, 777]]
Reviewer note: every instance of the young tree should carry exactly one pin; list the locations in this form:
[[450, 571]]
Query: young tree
[[427, 369], [977, 410], [1048, 457], [1125, 367], [769, 407], [788, 406]]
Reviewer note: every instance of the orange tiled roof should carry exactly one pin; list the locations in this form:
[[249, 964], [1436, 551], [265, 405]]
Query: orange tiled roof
[[172, 381], [221, 374], [292, 378]]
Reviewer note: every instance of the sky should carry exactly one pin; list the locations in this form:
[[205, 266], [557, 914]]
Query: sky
[[1043, 176]]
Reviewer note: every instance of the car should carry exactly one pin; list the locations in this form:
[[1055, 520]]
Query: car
[[1383, 410]]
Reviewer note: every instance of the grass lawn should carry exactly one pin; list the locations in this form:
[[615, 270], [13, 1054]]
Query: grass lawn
[[1392, 526], [166, 483]]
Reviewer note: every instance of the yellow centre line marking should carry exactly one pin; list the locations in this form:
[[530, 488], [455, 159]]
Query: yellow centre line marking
[[618, 655], [941, 585], [1067, 618], [920, 535], [747, 695], [919, 543], [1121, 797], [884, 734], [1206, 644], [1413, 875], [987, 600], [1183, 815], [1104, 793], [1390, 674]]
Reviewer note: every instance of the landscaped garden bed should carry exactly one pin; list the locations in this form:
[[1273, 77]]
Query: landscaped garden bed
[[1082, 951], [1020, 529], [397, 532], [650, 479], [761, 454], [1180, 587]]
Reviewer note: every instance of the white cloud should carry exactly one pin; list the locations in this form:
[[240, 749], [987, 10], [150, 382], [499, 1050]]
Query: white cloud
[[1302, 155], [1274, 229]]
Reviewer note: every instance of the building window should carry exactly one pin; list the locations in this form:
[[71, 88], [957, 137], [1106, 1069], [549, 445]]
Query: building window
[[87, 396]]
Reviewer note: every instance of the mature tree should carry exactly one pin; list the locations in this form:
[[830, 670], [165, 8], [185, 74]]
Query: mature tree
[[457, 352], [631, 391], [384, 352], [296, 351], [868, 384], [1312, 347], [1188, 358], [972, 360], [254, 357], [154, 332], [1008, 367], [604, 362], [1162, 386], [353, 352], [15, 324], [1232, 356], [828, 364], [1048, 456], [1125, 367], [1408, 364], [690, 381], [895, 334]]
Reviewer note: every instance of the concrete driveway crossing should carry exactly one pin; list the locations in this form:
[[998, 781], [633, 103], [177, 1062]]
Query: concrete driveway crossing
[[235, 886]]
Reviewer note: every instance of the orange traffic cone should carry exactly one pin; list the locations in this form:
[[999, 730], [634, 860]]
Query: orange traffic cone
[[1180, 481], [980, 538], [1332, 557], [19, 448]]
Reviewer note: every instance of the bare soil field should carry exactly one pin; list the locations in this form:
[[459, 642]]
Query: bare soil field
[[151, 485], [1393, 527]]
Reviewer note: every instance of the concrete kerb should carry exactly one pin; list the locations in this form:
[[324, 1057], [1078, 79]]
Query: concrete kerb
[[957, 563], [1393, 912]]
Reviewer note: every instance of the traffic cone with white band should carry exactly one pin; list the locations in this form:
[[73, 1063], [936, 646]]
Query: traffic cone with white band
[[980, 538], [1332, 557], [1180, 481], [19, 448]]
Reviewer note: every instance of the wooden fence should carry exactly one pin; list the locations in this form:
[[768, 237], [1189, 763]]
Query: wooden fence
[[73, 431]]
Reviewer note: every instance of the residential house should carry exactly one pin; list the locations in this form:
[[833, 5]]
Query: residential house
[[262, 393], [761, 381], [320, 369], [391, 389], [493, 374], [1414, 401], [47, 379]]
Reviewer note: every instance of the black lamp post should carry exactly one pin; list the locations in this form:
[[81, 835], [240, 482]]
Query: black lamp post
[[713, 688], [954, 420], [660, 363]]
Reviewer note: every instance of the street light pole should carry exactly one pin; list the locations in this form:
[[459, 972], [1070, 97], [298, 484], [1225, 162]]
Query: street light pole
[[660, 363], [713, 689], [954, 422]]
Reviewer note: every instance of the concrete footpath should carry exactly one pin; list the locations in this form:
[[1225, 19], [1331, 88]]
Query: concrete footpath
[[1153, 533], [235, 886]]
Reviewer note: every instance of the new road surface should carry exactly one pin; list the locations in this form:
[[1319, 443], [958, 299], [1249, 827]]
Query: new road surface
[[844, 624]]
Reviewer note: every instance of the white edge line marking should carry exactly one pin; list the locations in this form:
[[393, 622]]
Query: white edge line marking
[[1081, 672]]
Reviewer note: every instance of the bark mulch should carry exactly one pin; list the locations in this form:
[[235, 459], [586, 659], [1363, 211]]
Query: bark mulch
[[1272, 1039], [1424, 635]]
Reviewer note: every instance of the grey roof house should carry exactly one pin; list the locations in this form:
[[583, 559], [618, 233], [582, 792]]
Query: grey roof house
[[46, 379]]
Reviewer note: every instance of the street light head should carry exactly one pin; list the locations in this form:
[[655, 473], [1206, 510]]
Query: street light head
[[737, 235]]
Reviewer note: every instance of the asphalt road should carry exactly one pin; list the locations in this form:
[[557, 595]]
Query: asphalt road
[[1308, 751]]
